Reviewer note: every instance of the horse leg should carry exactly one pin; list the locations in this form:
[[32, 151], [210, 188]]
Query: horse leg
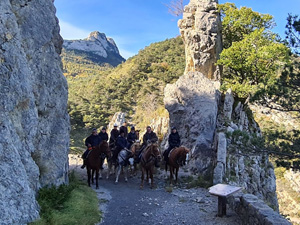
[[142, 179], [93, 173], [88, 170], [171, 174], [176, 174], [118, 173], [151, 177], [97, 178], [126, 172]]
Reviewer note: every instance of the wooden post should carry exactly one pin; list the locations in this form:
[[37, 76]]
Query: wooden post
[[221, 206]]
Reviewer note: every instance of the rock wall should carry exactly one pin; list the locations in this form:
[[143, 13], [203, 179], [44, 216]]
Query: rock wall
[[192, 103], [34, 123], [254, 211], [200, 29]]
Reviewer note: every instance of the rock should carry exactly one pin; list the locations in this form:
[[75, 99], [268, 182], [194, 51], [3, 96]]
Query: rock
[[119, 119], [200, 29], [34, 123], [228, 104], [219, 170], [146, 214], [98, 44], [192, 103]]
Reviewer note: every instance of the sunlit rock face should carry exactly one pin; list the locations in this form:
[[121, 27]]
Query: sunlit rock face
[[34, 123], [200, 29]]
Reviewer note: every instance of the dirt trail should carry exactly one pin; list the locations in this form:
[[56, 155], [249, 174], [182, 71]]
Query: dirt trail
[[125, 203]]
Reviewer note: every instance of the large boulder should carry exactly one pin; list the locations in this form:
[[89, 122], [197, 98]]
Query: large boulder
[[200, 29], [192, 103], [34, 123]]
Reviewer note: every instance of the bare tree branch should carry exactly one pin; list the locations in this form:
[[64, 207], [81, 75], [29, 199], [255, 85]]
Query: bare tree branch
[[175, 7]]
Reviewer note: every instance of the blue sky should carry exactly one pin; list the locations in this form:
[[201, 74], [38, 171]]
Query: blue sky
[[135, 24]]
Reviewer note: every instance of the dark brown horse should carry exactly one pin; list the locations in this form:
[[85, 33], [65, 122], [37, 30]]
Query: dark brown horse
[[94, 162], [177, 157], [149, 155]]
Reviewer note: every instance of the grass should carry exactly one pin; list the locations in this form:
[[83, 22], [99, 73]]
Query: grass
[[200, 181], [68, 204]]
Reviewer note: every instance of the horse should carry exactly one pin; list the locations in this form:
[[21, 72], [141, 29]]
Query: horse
[[135, 149], [149, 155], [93, 161], [177, 157], [122, 163]]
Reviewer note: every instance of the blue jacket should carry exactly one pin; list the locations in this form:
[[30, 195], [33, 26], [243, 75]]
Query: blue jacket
[[121, 142], [131, 137], [93, 140]]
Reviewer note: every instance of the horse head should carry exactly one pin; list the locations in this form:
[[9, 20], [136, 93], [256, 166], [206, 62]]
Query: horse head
[[104, 148], [183, 156], [155, 150]]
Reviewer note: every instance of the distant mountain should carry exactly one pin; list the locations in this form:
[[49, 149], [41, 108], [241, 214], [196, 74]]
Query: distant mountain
[[96, 48]]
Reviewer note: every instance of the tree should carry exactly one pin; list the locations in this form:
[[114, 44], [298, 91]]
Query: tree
[[251, 53], [293, 32], [236, 23]]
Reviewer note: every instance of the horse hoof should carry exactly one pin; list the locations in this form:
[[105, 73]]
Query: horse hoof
[[141, 187], [97, 187], [126, 180], [116, 182]]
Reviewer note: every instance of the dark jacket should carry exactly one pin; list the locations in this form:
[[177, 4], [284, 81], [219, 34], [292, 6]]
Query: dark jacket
[[103, 136], [174, 139], [93, 140], [149, 136], [125, 131], [131, 137], [121, 142], [113, 135]]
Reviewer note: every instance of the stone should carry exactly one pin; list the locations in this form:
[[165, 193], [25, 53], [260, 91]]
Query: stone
[[192, 103], [34, 123], [98, 44], [219, 170], [200, 29], [228, 104], [118, 118]]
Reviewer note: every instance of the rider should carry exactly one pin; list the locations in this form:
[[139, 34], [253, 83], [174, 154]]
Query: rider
[[151, 137], [121, 144], [131, 137], [103, 135], [90, 142], [113, 136], [124, 128], [174, 141]]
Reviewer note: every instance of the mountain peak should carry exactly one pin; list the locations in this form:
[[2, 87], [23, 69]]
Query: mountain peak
[[96, 43]]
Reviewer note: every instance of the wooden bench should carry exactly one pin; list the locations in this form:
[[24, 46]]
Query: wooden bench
[[222, 191]]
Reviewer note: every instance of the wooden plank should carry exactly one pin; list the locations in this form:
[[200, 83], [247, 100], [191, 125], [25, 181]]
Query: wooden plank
[[223, 190]]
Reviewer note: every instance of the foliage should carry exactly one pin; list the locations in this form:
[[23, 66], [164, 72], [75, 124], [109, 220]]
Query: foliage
[[134, 87], [68, 204], [293, 32], [283, 92], [238, 23], [251, 52]]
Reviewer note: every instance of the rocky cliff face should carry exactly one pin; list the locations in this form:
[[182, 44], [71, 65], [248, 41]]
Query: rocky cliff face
[[34, 124], [219, 131], [193, 106], [100, 48], [200, 29]]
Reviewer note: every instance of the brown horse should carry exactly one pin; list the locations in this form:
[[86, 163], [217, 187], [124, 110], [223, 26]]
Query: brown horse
[[149, 155], [94, 162], [135, 149], [177, 157]]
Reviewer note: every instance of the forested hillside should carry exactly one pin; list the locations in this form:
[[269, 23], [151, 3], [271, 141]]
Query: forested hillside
[[135, 87]]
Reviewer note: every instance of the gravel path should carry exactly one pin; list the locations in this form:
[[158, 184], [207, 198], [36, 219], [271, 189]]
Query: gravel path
[[125, 203]]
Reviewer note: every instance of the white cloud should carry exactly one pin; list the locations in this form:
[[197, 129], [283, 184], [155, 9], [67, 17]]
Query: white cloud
[[71, 32]]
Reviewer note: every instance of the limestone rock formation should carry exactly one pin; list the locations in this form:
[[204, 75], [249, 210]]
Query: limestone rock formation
[[200, 29], [97, 45], [119, 119], [34, 123], [192, 103]]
